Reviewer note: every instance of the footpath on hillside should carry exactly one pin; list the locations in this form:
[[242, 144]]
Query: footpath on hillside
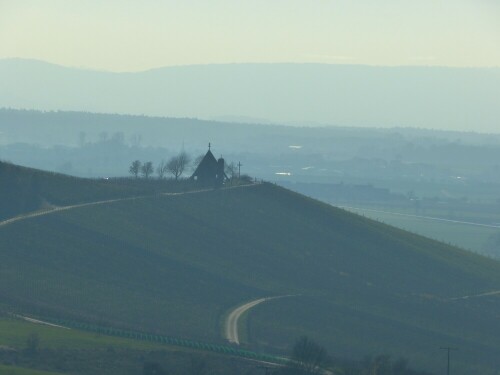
[[52, 210]]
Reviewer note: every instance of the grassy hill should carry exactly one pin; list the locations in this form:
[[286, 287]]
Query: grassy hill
[[25, 189], [176, 264]]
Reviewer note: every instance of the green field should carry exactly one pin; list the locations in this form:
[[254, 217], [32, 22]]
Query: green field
[[15, 370], [71, 351], [14, 333], [54, 345], [467, 236], [175, 265]]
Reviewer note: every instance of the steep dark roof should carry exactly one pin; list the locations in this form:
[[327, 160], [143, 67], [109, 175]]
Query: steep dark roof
[[207, 163]]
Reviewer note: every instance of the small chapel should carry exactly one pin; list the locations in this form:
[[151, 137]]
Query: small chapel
[[210, 171]]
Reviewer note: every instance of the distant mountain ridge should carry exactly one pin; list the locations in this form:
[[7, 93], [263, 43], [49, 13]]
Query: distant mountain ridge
[[347, 95]]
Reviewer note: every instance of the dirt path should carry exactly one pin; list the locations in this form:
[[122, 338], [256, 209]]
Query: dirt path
[[36, 321], [58, 209], [231, 323], [487, 294], [65, 208], [421, 217]]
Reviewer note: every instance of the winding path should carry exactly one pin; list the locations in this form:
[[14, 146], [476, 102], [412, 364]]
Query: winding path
[[231, 323], [487, 294], [65, 208]]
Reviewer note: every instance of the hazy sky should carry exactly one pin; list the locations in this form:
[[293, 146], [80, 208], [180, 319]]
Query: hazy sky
[[124, 35]]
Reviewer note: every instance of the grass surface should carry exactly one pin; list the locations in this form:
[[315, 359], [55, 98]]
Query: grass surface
[[175, 265], [467, 236], [14, 370], [24, 189], [71, 351], [15, 332]]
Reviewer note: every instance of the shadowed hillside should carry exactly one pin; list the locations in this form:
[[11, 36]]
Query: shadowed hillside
[[176, 264], [25, 190]]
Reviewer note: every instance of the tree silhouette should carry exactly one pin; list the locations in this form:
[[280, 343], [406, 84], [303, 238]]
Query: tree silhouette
[[147, 169], [161, 169], [307, 358], [177, 164], [135, 168], [232, 170]]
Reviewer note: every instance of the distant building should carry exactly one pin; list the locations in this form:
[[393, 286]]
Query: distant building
[[210, 171]]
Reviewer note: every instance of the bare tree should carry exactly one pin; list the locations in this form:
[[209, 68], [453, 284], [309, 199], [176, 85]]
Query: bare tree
[[147, 169], [177, 164], [308, 358], [231, 170], [162, 170], [135, 168]]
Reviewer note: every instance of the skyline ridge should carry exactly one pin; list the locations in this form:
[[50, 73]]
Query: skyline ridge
[[94, 69], [462, 99]]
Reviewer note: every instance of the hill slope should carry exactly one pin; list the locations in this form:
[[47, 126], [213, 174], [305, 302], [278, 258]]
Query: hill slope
[[25, 190], [349, 95], [175, 265]]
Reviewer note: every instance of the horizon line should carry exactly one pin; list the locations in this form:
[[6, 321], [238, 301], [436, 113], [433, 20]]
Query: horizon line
[[101, 70]]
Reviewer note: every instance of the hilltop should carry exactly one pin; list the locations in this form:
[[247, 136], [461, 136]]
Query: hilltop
[[176, 264], [25, 190]]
